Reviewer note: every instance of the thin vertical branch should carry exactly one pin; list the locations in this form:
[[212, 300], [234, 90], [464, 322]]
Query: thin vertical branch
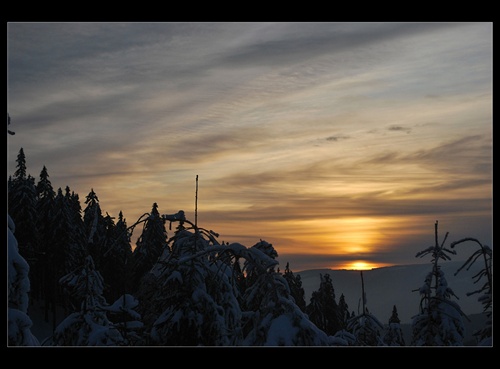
[[436, 257], [196, 204], [363, 296], [436, 234]]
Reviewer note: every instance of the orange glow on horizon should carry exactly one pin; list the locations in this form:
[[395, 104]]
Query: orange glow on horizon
[[362, 265], [341, 236]]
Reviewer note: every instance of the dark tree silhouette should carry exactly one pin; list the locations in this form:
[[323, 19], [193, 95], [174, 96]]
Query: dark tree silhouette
[[150, 245], [64, 254], [22, 200], [296, 289], [44, 211], [323, 309], [343, 312], [95, 227], [393, 333], [115, 260]]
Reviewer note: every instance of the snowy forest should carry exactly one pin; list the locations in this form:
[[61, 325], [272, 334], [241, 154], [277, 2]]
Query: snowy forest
[[180, 286]]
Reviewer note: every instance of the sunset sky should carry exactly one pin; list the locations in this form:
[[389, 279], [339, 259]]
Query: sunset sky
[[338, 143]]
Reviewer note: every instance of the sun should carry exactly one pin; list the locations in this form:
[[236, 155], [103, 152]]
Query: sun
[[361, 265]]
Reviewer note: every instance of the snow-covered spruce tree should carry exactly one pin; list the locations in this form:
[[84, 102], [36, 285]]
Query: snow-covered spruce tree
[[296, 290], [126, 319], [19, 323], [150, 245], [365, 326], [440, 320], [322, 309], [270, 315], [90, 325], [343, 338], [18, 269], [393, 335], [484, 335], [251, 272], [192, 298], [188, 298]]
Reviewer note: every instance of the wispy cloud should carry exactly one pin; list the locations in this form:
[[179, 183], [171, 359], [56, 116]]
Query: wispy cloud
[[337, 138], [399, 128]]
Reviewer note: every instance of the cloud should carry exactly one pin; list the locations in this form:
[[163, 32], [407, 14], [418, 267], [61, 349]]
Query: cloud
[[399, 128], [287, 43], [337, 138], [201, 148], [462, 156], [316, 207]]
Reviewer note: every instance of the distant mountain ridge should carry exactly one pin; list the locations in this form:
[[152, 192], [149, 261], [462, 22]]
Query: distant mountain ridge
[[389, 286]]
